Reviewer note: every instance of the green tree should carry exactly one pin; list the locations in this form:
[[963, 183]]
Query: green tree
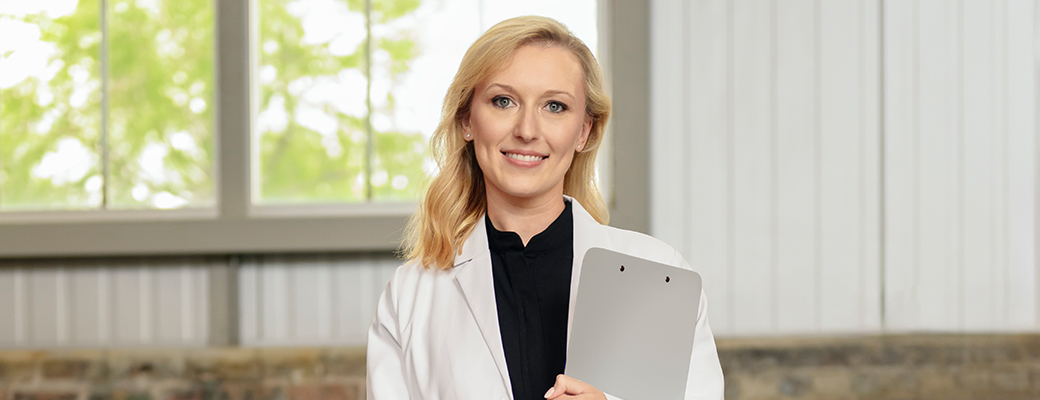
[[160, 93], [298, 163]]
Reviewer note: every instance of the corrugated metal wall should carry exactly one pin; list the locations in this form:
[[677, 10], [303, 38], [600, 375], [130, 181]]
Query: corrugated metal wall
[[310, 299], [283, 301], [124, 303]]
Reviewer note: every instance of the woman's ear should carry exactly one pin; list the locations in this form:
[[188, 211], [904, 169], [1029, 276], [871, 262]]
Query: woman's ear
[[467, 129], [586, 127]]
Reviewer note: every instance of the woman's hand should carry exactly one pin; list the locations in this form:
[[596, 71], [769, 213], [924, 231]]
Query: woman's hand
[[570, 388]]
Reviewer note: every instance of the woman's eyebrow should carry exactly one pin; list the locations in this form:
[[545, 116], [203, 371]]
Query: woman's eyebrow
[[555, 92], [547, 93]]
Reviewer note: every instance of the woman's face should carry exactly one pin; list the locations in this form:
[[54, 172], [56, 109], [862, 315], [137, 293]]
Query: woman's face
[[527, 120]]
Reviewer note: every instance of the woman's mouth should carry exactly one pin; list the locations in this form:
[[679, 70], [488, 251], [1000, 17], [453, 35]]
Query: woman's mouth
[[524, 157]]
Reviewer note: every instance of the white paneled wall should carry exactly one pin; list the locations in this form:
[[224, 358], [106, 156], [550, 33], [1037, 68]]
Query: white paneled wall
[[849, 166], [102, 304], [767, 114], [310, 300], [960, 165]]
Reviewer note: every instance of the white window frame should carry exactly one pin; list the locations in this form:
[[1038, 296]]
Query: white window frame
[[236, 226]]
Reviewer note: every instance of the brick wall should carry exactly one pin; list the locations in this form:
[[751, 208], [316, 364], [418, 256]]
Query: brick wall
[[921, 367]]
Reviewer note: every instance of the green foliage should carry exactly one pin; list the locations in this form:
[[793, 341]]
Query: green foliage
[[298, 164], [36, 115], [160, 91], [160, 62]]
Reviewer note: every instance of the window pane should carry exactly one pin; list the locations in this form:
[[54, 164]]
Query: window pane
[[50, 105], [312, 101], [397, 124], [317, 89], [161, 96]]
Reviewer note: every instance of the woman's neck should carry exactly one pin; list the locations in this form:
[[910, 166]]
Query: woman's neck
[[525, 216]]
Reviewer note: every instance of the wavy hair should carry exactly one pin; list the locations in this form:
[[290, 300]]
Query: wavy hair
[[455, 199]]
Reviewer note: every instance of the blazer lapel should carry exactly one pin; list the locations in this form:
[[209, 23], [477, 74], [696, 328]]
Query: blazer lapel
[[588, 233], [475, 280]]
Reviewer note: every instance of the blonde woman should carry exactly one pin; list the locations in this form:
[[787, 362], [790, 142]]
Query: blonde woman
[[482, 308]]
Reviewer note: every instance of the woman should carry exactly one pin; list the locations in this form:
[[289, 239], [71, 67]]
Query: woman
[[482, 309]]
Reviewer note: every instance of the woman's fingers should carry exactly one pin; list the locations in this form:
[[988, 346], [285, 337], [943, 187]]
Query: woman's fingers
[[567, 388]]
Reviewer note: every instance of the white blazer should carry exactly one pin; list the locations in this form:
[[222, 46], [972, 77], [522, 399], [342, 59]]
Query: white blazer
[[435, 334]]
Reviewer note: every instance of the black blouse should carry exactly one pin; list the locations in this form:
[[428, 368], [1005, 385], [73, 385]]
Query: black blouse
[[532, 291]]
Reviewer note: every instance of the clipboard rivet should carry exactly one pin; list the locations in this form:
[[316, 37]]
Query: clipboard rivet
[[622, 268], [667, 279]]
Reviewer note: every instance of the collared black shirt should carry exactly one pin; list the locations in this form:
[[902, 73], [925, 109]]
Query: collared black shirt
[[532, 291]]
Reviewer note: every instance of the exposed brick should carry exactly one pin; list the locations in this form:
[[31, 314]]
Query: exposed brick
[[1010, 381], [345, 362], [324, 391], [294, 365], [42, 395], [18, 369], [65, 369]]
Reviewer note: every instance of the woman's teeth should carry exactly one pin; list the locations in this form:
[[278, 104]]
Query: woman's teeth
[[522, 157]]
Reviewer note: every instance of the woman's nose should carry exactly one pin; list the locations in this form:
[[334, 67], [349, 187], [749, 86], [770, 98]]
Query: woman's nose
[[527, 126]]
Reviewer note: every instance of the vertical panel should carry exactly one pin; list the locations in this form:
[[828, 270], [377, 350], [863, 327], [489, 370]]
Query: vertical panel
[[752, 165], [349, 322], [668, 127], [841, 193], [105, 310], [275, 300], [368, 291], [870, 166], [708, 246], [8, 307], [900, 140], [797, 306], [126, 305], [85, 307], [43, 307], [937, 157], [147, 308], [979, 140], [998, 157], [201, 303], [1021, 158], [249, 301], [313, 300], [169, 309]]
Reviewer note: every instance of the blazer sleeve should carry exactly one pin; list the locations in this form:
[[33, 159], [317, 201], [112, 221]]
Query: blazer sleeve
[[705, 381], [385, 377]]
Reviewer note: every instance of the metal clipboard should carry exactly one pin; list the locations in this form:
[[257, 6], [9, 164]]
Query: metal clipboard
[[633, 326]]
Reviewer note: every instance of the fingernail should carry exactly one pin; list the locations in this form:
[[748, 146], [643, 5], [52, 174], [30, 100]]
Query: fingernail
[[549, 393]]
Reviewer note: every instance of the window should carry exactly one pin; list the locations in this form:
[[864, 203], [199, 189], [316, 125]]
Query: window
[[114, 111], [106, 104], [350, 91]]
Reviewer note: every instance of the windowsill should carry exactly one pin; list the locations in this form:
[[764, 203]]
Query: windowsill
[[86, 216], [333, 210], [283, 229]]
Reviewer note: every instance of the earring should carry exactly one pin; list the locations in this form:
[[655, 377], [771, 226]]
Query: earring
[[467, 136]]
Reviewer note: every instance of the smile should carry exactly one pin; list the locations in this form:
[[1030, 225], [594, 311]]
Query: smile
[[522, 157]]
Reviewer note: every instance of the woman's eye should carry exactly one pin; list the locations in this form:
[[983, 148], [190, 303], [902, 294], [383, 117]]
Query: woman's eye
[[501, 102], [555, 107]]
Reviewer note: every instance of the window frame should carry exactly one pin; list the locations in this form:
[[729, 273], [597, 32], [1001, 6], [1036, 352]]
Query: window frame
[[236, 226]]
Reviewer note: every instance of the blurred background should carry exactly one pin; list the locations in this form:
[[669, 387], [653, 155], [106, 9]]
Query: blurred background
[[202, 198]]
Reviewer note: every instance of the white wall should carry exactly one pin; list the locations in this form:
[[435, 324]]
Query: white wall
[[310, 300], [95, 304], [849, 166], [960, 165]]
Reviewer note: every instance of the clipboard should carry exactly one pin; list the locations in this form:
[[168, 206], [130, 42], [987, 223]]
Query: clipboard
[[633, 326]]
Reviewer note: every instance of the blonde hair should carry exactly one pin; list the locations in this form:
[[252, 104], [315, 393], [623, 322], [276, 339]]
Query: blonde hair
[[456, 200]]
